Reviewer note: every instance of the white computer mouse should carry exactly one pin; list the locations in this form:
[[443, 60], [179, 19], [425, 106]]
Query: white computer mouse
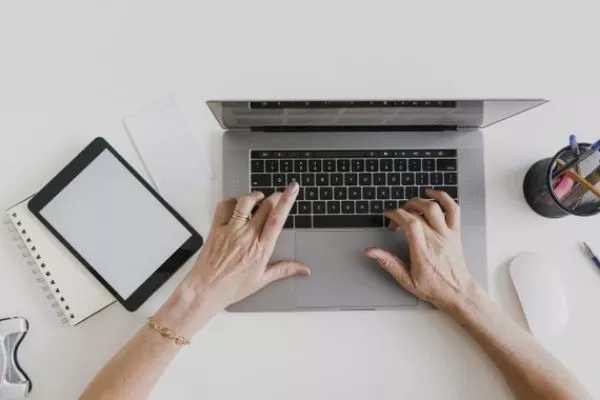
[[541, 293]]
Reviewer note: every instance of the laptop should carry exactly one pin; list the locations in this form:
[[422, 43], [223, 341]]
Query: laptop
[[354, 159]]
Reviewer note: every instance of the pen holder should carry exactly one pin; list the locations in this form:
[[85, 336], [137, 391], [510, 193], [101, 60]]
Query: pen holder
[[563, 195]]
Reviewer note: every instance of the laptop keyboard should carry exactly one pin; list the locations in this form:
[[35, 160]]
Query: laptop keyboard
[[352, 188]]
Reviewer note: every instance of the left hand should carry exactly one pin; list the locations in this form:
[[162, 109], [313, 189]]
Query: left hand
[[233, 263]]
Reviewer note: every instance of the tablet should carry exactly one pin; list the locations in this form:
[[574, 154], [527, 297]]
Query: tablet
[[115, 223]]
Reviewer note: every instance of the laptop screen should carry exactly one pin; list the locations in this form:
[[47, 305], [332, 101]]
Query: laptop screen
[[370, 113]]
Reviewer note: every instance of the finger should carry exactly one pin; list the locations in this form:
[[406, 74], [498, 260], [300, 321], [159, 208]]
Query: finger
[[450, 207], [244, 206], [431, 211], [264, 210], [276, 219], [223, 212], [392, 265], [284, 269], [412, 226]]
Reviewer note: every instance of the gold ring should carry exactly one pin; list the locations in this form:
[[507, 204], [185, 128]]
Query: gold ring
[[240, 217]]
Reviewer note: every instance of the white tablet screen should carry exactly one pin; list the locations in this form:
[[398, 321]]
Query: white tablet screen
[[115, 224]]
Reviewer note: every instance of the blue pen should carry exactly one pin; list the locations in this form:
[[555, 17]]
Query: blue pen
[[594, 257], [575, 149], [589, 152]]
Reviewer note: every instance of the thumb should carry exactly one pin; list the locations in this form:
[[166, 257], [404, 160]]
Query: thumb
[[284, 269], [391, 264]]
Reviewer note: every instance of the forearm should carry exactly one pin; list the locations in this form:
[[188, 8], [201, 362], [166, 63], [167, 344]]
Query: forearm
[[531, 371], [133, 372]]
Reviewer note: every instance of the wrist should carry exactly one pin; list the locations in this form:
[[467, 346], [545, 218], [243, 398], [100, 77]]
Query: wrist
[[463, 298]]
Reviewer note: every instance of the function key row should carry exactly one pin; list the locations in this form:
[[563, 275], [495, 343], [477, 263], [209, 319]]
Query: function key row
[[264, 154], [355, 165]]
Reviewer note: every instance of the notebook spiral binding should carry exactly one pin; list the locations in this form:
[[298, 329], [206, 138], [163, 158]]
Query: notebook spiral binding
[[35, 262]]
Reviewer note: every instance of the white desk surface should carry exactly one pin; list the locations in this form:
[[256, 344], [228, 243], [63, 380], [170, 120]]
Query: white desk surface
[[69, 70]]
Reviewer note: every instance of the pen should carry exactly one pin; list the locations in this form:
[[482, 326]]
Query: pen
[[575, 149], [591, 254], [589, 152], [578, 191], [580, 179]]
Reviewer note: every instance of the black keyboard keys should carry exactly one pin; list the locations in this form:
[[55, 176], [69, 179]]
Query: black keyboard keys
[[333, 207], [347, 207], [400, 165], [368, 193], [364, 179], [286, 166], [414, 164], [379, 179], [302, 221], [336, 179], [422, 178], [348, 221], [372, 165], [393, 179], [411, 191], [304, 207], [318, 207], [357, 165], [323, 179], [354, 193], [450, 178], [308, 179], [260, 180], [362, 207], [408, 178], [446, 164], [343, 165], [257, 166], [398, 193], [386, 165], [376, 207], [311, 193], [451, 190], [314, 165], [340, 193], [383, 192], [329, 165], [300, 166], [390, 204], [429, 164], [272, 166], [350, 179], [326, 193], [436, 178]]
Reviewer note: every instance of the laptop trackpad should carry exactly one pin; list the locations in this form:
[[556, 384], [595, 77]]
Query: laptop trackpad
[[342, 277]]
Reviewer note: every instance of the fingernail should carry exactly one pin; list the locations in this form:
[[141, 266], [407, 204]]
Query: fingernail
[[293, 186]]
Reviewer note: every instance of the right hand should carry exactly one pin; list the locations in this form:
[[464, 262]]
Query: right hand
[[437, 271]]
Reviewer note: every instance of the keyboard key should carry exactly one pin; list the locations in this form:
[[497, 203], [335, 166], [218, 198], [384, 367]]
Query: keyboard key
[[376, 207], [326, 193], [311, 193], [266, 191], [422, 193], [429, 164], [286, 166], [347, 207], [411, 191], [386, 165], [398, 193], [333, 207], [272, 166], [436, 178], [294, 209], [450, 178], [383, 192], [304, 207], [339, 193], [308, 179], [390, 204], [446, 164], [358, 165], [408, 178], [400, 165], [372, 165], [393, 179], [379, 179], [260, 180], [422, 178], [368, 193], [362, 207], [364, 179], [414, 164], [300, 166], [336, 179], [302, 222], [451, 190], [343, 165], [260, 154], [351, 179], [318, 207], [323, 179], [257, 166], [289, 222], [314, 165], [329, 165], [300, 194], [293, 178], [354, 193], [348, 221]]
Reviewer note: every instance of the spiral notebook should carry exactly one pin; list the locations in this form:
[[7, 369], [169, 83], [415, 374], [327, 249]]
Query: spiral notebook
[[71, 289]]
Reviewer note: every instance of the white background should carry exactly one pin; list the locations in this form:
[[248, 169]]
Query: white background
[[69, 70]]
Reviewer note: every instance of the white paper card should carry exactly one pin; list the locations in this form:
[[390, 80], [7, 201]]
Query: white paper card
[[176, 162]]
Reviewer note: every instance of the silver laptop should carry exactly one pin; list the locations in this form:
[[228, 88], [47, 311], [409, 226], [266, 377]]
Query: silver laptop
[[354, 159]]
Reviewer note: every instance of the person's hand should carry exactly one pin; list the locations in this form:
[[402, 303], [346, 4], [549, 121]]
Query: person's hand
[[437, 271], [233, 262]]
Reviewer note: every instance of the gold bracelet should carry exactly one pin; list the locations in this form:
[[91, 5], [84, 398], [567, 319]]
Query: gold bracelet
[[166, 332]]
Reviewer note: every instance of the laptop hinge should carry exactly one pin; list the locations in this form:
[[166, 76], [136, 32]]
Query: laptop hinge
[[359, 128]]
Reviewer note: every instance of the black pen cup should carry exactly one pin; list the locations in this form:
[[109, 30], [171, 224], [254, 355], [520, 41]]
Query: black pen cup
[[563, 195]]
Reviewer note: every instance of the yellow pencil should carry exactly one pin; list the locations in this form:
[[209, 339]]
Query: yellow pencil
[[580, 179]]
